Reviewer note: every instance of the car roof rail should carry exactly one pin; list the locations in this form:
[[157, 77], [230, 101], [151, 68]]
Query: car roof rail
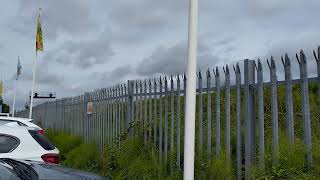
[[5, 114]]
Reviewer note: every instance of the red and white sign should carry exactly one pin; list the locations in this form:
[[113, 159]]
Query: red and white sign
[[89, 108]]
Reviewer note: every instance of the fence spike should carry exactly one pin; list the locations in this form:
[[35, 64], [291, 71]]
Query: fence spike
[[208, 73], [297, 58], [217, 72], [315, 56]]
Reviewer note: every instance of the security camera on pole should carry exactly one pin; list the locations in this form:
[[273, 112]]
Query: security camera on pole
[[39, 47], [189, 129]]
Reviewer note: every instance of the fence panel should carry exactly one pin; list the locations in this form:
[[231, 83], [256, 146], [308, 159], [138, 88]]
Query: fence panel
[[153, 111]]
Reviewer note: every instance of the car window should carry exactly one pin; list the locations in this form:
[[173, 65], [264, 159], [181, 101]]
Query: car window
[[8, 143], [42, 140], [21, 124]]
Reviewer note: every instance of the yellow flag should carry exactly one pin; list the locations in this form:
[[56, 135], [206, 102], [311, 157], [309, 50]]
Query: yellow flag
[[39, 43]]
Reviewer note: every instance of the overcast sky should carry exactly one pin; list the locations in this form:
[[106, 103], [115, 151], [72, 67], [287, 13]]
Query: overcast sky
[[94, 44]]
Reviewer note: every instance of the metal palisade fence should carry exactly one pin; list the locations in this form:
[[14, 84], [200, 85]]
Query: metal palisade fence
[[154, 109]]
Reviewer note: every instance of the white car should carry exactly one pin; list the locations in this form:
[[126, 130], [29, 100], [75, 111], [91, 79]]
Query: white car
[[17, 121], [24, 143]]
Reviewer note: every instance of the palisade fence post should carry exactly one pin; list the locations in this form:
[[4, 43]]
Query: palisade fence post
[[305, 106], [100, 125], [112, 115], [123, 107], [166, 120], [115, 113], [238, 122], [209, 126], [218, 133], [136, 128], [95, 118], [150, 110], [129, 102], [178, 122], [103, 119], [317, 58], [109, 117], [200, 114], [106, 116], [172, 115], [249, 113], [274, 111], [261, 114], [141, 108], [120, 110], [289, 102], [89, 118], [184, 105], [117, 95], [55, 124], [160, 121], [145, 112], [113, 119], [227, 106], [85, 120], [155, 112], [132, 109]]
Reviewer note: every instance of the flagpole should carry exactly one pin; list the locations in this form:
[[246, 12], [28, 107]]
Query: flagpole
[[33, 84], [189, 135], [14, 96]]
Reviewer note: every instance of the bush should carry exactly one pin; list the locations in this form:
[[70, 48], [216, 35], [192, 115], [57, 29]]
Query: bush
[[64, 142], [85, 157]]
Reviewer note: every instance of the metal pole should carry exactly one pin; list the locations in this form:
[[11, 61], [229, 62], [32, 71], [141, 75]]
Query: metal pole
[[165, 120], [172, 116], [261, 114], [33, 85], [178, 122], [305, 107], [238, 121], [155, 112], [227, 94], [249, 113], [289, 102], [274, 112], [209, 115], [317, 57], [14, 96], [200, 115], [189, 134], [218, 130]]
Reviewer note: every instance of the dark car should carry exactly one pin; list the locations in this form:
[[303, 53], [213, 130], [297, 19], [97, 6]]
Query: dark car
[[32, 170]]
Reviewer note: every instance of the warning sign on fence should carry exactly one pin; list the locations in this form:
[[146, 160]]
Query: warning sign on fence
[[89, 108]]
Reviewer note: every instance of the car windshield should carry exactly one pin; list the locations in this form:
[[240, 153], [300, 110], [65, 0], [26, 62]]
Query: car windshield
[[22, 170]]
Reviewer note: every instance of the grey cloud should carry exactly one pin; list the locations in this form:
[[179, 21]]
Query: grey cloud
[[118, 75], [83, 54], [70, 16], [44, 76], [142, 19], [172, 60]]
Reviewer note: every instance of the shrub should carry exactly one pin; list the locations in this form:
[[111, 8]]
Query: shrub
[[64, 142], [84, 157]]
